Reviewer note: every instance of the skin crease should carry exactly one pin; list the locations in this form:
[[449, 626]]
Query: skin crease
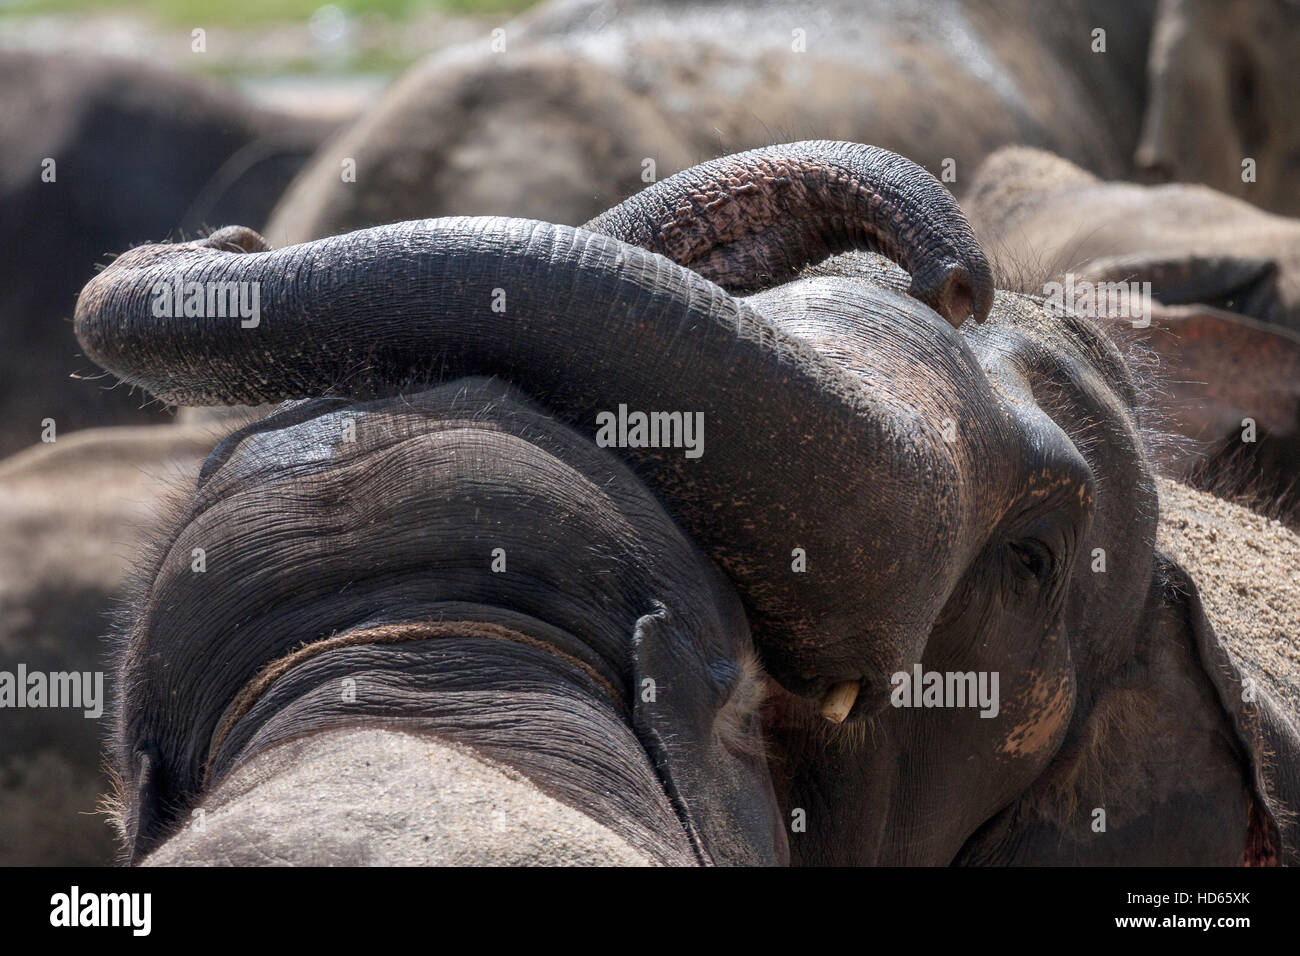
[[538, 668], [1107, 676]]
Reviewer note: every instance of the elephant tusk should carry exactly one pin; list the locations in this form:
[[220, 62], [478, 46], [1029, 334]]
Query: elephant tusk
[[839, 700]]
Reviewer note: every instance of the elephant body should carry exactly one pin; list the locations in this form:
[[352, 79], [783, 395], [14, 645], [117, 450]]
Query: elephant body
[[906, 471], [579, 103], [101, 154], [73, 514], [589, 101], [1043, 216]]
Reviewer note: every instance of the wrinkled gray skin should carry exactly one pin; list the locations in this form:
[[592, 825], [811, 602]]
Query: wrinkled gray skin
[[1226, 322], [140, 153], [561, 123], [539, 666], [948, 482]]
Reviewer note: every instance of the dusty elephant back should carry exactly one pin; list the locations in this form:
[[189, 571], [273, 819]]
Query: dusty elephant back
[[300, 801], [1247, 568]]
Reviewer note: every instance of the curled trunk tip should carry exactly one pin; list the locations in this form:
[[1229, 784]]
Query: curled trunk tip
[[755, 219]]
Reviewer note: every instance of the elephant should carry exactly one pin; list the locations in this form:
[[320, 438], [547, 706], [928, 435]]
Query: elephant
[[1042, 216], [99, 154], [1218, 75], [72, 514], [506, 689], [907, 472], [588, 101], [1225, 320], [579, 103]]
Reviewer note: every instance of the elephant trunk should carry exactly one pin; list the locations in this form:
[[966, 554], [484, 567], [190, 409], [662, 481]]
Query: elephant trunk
[[800, 457], [755, 219]]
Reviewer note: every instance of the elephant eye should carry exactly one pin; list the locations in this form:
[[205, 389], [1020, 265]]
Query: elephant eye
[[1033, 558]]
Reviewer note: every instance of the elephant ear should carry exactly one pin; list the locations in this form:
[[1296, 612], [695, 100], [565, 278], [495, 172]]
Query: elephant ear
[[1172, 759], [698, 719], [1221, 367], [1267, 740], [1247, 285], [140, 811]]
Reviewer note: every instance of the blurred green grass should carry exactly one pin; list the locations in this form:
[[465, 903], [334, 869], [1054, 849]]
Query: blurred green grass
[[240, 12]]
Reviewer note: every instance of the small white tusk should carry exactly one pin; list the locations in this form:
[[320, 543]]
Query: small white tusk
[[839, 700]]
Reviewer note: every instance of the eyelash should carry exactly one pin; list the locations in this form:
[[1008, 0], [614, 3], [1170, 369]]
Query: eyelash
[[1035, 557]]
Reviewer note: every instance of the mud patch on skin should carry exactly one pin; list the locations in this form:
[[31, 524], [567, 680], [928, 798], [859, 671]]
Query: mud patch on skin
[[1049, 702]]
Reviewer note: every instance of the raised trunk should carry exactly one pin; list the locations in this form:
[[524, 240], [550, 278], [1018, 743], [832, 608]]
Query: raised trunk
[[799, 457], [753, 220]]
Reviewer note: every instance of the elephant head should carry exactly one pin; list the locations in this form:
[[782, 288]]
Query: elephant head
[[438, 299], [891, 490], [1229, 65], [455, 582]]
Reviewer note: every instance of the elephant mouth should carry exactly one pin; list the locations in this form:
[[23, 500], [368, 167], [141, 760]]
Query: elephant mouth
[[840, 699], [841, 705]]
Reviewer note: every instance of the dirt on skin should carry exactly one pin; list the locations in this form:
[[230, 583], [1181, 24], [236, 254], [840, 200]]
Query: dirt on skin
[[1247, 568]]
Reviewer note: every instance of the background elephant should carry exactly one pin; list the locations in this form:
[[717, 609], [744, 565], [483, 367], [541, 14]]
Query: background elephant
[[959, 497], [1225, 326], [73, 515], [99, 154], [1218, 79], [565, 120], [581, 103], [1041, 216]]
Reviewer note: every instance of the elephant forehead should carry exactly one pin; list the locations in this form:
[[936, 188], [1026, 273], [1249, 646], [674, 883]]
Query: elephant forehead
[[1045, 347], [305, 438], [386, 485], [429, 496], [910, 358]]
